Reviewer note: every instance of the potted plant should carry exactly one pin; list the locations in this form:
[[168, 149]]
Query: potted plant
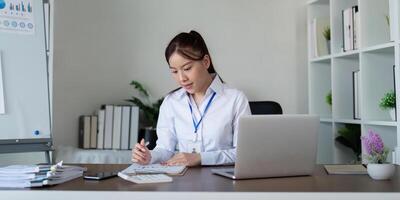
[[328, 99], [150, 112], [388, 102], [376, 154], [327, 35], [349, 136]]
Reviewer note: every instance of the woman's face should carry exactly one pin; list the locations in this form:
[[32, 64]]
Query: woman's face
[[190, 74]]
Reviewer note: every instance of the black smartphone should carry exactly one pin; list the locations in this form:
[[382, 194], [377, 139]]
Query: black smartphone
[[99, 175]]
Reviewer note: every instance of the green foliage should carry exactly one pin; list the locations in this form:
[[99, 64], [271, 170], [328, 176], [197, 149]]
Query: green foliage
[[349, 136], [150, 110], [327, 33], [328, 98], [388, 101]]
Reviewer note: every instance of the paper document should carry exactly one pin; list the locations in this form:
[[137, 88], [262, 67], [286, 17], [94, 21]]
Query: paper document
[[154, 169]]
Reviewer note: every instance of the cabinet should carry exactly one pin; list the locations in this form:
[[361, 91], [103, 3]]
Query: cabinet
[[377, 53]]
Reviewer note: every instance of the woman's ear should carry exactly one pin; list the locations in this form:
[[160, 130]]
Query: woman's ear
[[206, 61]]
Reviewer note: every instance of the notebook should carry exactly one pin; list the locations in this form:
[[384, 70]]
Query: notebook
[[154, 169], [346, 169]]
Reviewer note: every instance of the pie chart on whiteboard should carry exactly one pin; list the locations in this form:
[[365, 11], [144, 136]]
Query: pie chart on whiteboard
[[2, 4]]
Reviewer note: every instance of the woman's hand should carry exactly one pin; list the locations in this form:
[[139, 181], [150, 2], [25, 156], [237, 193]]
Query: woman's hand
[[141, 154], [188, 159]]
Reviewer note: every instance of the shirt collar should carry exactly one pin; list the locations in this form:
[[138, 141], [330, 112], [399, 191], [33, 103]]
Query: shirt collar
[[216, 86]]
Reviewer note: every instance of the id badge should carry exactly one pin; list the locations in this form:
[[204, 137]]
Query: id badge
[[195, 147]]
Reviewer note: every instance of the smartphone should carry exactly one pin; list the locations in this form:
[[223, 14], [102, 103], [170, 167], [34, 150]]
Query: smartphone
[[100, 175]]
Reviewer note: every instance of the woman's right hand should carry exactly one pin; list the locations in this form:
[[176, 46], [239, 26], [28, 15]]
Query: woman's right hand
[[141, 154]]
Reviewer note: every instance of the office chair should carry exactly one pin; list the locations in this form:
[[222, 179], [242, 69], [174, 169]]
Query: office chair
[[265, 108]]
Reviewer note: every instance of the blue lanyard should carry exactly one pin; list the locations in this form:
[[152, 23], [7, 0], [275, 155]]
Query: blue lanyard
[[196, 125]]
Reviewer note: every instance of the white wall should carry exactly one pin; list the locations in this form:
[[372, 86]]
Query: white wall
[[258, 46]]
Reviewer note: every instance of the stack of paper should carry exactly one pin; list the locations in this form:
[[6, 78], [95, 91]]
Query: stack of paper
[[154, 169], [20, 176]]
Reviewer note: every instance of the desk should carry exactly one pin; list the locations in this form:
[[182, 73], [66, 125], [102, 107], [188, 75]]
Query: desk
[[201, 181]]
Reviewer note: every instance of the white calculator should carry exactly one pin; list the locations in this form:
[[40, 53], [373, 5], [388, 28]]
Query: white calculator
[[146, 178]]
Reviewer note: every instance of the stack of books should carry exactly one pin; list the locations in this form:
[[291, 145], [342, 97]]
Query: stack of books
[[22, 176], [114, 127], [351, 26]]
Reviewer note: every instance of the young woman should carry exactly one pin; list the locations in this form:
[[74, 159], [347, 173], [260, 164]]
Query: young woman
[[198, 122]]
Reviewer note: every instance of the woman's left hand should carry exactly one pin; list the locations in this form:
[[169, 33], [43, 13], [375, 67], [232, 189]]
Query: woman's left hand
[[188, 159]]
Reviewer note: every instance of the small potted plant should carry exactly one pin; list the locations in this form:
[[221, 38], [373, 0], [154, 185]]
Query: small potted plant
[[349, 136], [150, 111], [376, 154], [388, 102], [328, 99], [327, 35]]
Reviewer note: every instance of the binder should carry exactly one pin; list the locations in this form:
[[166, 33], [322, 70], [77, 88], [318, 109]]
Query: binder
[[134, 129], [100, 132], [108, 126], [125, 125], [93, 132], [116, 141]]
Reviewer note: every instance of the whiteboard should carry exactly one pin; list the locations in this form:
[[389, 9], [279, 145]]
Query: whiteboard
[[25, 78]]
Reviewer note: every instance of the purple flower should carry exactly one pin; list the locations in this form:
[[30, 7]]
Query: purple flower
[[373, 144]]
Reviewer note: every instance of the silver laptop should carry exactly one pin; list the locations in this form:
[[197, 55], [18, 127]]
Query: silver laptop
[[274, 146]]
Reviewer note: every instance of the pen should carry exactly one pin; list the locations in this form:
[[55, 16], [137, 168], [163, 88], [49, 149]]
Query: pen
[[146, 144]]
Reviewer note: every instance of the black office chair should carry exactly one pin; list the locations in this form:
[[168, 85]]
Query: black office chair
[[265, 108]]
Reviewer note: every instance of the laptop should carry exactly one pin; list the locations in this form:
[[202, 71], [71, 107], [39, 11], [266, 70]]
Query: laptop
[[274, 146]]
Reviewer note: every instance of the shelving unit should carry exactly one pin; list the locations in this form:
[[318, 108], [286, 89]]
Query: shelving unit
[[374, 59]]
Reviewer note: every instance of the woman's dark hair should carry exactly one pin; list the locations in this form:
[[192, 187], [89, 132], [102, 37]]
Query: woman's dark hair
[[190, 46]]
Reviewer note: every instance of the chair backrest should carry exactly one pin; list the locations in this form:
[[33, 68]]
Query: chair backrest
[[265, 108]]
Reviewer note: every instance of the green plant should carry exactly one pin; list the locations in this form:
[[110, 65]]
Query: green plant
[[327, 33], [150, 110], [388, 101], [328, 98], [349, 136]]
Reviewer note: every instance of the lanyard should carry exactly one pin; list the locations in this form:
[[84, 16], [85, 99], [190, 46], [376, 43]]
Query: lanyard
[[196, 125]]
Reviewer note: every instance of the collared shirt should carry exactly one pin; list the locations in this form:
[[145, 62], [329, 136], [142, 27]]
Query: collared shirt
[[216, 136]]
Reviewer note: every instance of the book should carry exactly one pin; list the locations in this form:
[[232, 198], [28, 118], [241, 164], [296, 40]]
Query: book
[[116, 141], [345, 169], [356, 26], [20, 176], [154, 169], [125, 125], [393, 5], [134, 127], [320, 43], [347, 29], [356, 95], [100, 132], [93, 131], [84, 132], [108, 126]]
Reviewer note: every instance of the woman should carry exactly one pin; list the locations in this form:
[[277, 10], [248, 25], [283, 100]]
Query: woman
[[200, 119]]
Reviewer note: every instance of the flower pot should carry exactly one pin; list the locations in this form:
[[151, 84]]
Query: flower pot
[[380, 171], [328, 45], [392, 113]]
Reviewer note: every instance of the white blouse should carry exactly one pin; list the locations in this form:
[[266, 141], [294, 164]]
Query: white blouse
[[216, 135]]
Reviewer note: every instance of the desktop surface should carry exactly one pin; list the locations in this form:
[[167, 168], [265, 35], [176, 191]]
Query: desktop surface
[[201, 179]]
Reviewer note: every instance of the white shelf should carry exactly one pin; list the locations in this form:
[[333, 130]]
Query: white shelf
[[347, 121], [327, 120], [318, 2], [323, 59], [381, 123], [379, 48], [347, 54], [374, 59]]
